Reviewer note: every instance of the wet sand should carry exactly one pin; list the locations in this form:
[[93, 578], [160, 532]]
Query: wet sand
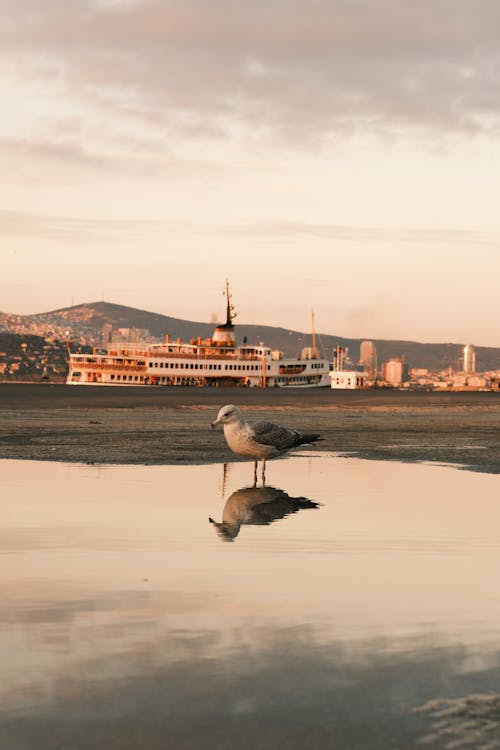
[[170, 425]]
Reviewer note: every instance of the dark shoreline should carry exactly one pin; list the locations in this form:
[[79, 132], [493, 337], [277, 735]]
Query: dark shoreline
[[171, 425]]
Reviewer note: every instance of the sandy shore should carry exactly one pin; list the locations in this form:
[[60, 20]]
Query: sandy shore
[[170, 425]]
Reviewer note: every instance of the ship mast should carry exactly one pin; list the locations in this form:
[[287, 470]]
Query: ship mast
[[230, 313]]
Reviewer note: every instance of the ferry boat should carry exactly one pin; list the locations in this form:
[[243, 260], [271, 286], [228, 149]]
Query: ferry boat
[[211, 362]]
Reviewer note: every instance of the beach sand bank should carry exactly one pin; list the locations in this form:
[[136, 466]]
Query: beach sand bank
[[171, 425]]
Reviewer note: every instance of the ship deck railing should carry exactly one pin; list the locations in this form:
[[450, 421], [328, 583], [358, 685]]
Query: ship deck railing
[[109, 366], [184, 355]]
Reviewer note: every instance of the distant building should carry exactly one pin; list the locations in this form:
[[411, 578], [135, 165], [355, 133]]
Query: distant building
[[368, 358], [341, 378], [347, 379], [107, 331], [419, 372], [129, 335], [469, 358], [394, 371]]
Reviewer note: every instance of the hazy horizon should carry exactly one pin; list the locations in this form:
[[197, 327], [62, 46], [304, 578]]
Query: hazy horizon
[[306, 330], [340, 156]]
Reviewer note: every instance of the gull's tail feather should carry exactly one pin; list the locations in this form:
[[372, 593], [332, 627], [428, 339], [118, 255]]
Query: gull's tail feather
[[308, 439]]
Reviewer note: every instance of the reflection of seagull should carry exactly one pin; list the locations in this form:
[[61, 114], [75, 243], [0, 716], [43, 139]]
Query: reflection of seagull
[[259, 439], [258, 506]]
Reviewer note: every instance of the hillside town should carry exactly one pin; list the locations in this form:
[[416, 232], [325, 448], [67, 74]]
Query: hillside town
[[32, 358], [34, 352]]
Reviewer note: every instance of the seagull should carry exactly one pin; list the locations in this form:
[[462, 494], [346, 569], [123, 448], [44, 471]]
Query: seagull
[[259, 440]]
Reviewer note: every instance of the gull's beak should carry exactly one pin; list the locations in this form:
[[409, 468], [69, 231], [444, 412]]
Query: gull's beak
[[214, 424]]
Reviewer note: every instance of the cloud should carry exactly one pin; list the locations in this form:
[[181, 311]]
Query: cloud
[[290, 230], [26, 224], [294, 70], [53, 227]]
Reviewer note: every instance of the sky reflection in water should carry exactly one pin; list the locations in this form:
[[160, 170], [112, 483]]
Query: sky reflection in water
[[352, 593]]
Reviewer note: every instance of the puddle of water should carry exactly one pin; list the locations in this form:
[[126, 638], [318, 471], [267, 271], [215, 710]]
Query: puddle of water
[[319, 611]]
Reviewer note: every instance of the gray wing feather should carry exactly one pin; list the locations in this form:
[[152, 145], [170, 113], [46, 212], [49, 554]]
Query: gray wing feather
[[267, 433]]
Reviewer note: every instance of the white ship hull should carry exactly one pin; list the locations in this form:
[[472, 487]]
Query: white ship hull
[[184, 364]]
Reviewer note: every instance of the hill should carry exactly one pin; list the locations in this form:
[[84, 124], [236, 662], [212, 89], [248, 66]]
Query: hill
[[84, 323]]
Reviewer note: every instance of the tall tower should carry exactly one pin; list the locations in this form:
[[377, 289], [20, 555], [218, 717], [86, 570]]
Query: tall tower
[[368, 358], [107, 331], [469, 358]]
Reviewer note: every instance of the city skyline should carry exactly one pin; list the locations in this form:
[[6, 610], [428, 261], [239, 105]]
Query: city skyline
[[337, 156]]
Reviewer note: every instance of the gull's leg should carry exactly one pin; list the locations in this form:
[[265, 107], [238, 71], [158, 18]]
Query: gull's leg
[[255, 473], [263, 472]]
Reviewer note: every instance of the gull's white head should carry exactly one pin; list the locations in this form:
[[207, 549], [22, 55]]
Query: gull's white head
[[227, 415]]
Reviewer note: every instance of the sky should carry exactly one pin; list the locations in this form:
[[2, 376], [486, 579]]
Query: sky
[[335, 155]]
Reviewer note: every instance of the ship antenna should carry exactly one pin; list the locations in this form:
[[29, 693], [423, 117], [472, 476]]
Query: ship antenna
[[230, 313], [314, 352]]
